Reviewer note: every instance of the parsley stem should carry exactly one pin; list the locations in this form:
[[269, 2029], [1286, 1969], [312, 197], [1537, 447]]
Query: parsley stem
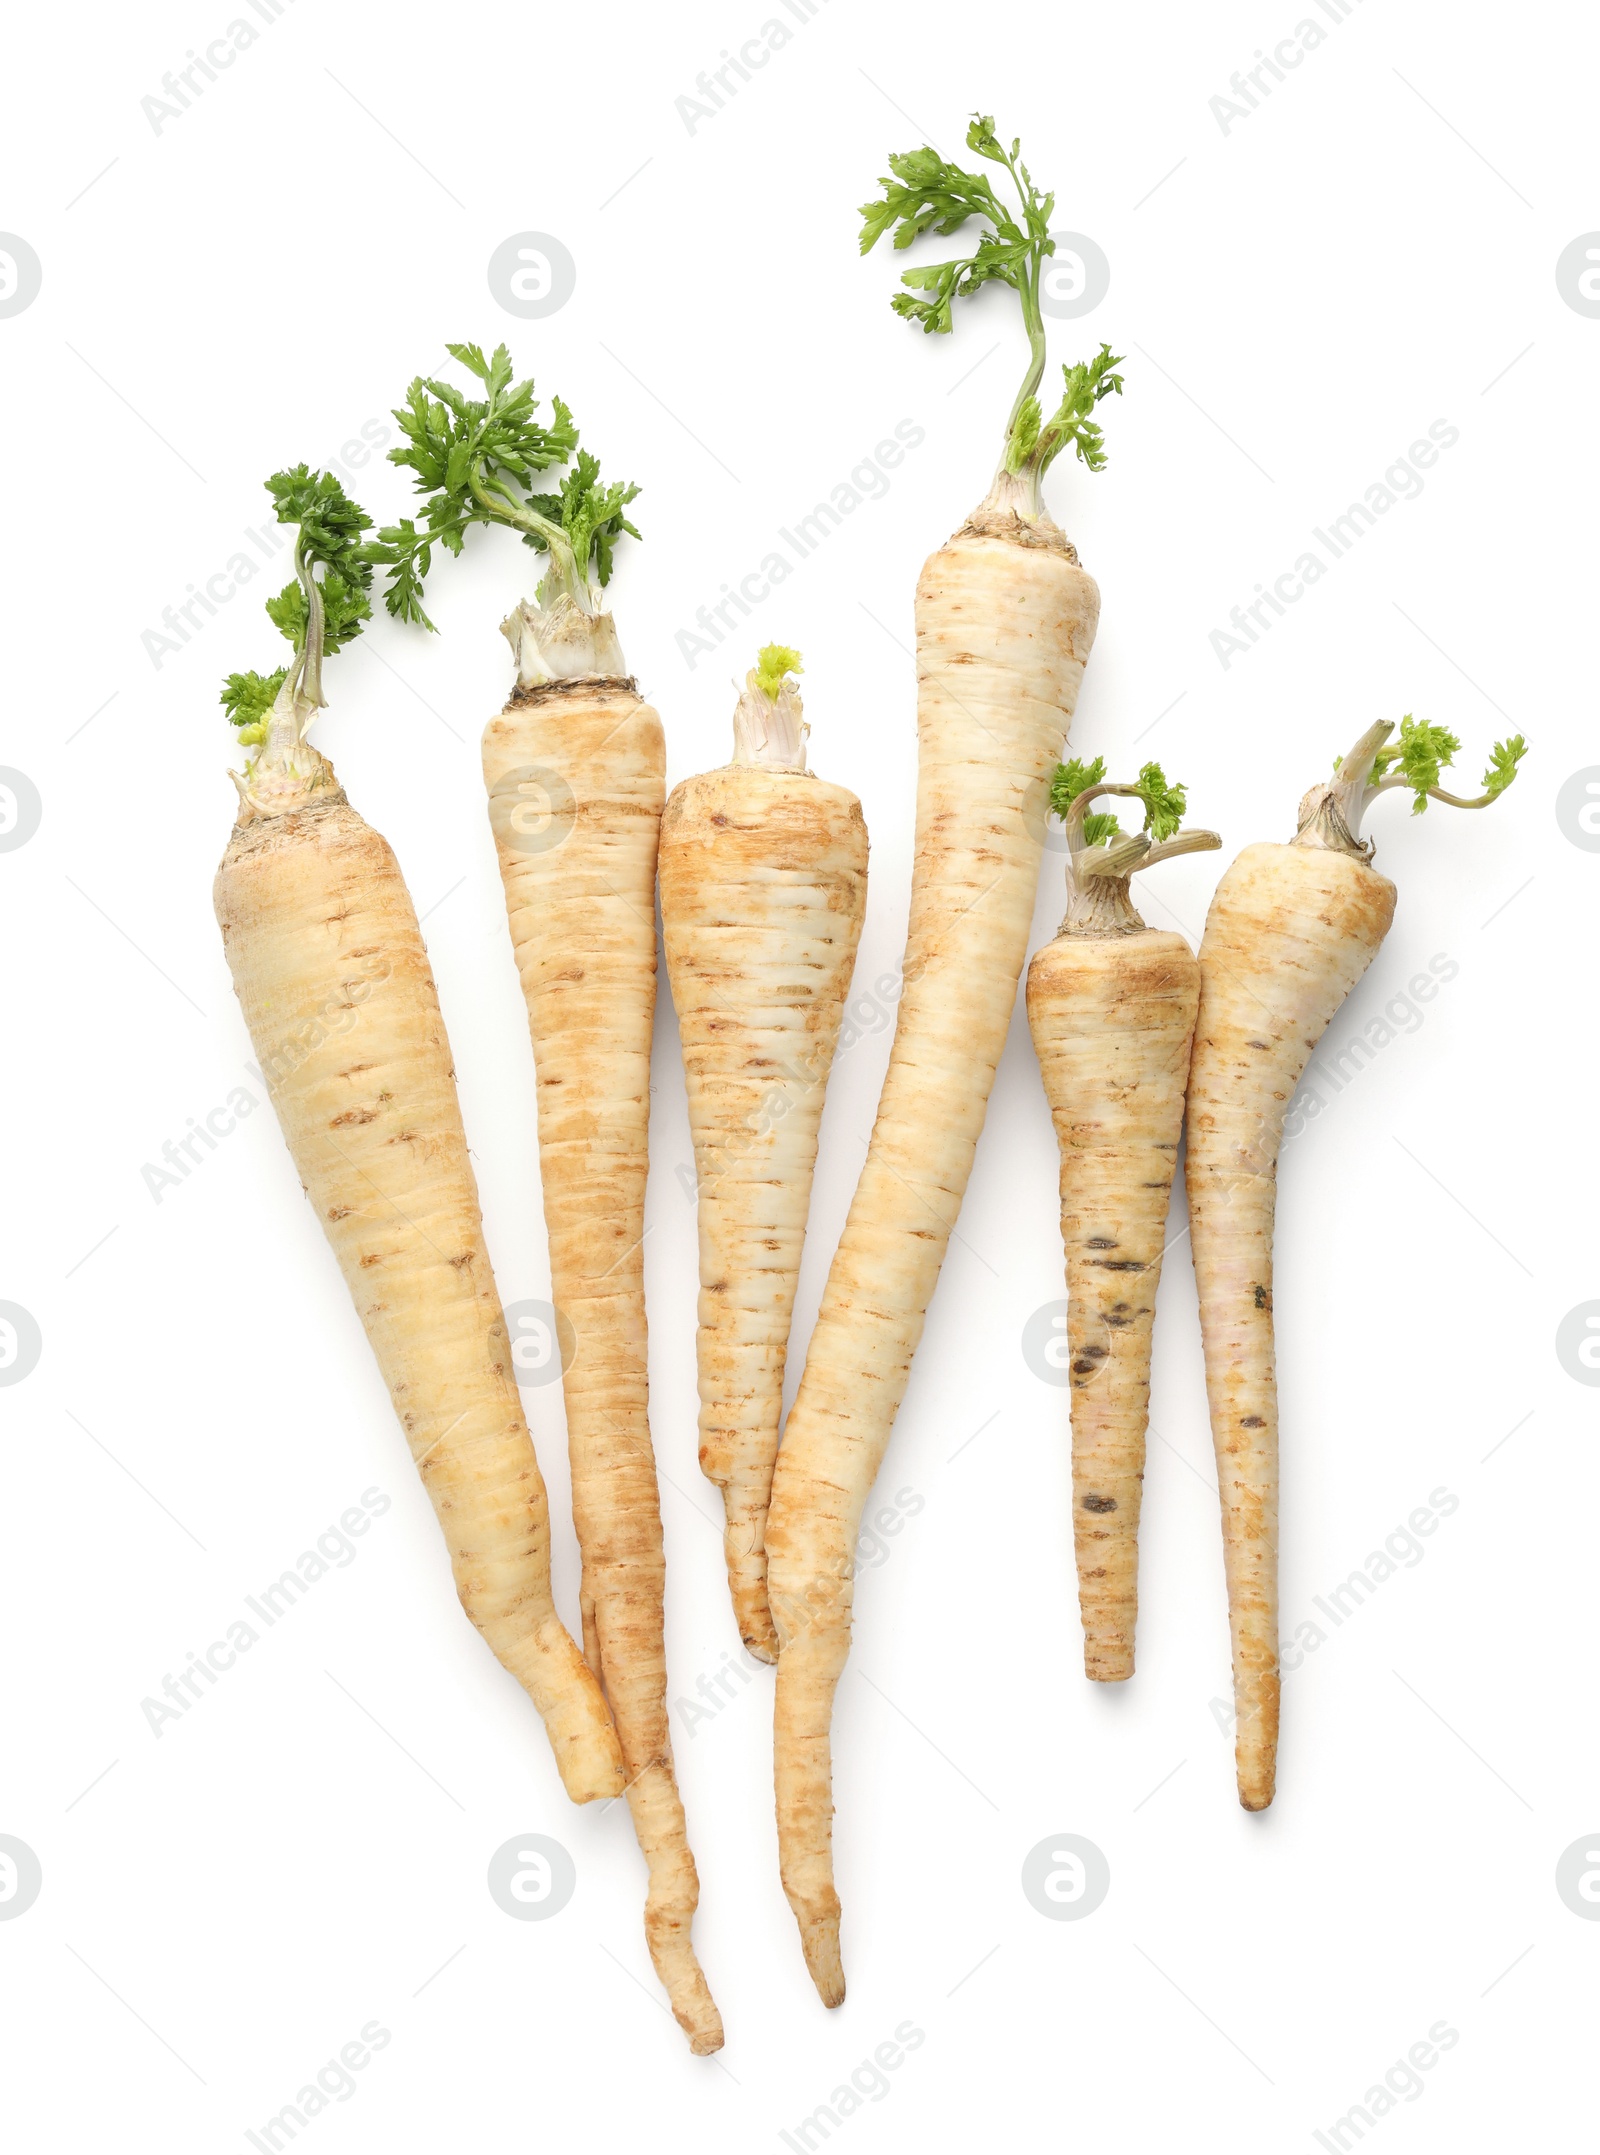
[[564, 565], [308, 663], [1032, 271], [1075, 814]]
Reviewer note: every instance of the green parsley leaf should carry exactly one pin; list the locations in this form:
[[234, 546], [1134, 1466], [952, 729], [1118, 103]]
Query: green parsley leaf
[[925, 193], [248, 697], [1420, 757], [590, 514], [1072, 422], [1074, 778], [346, 608], [1164, 805], [1503, 760], [474, 460]]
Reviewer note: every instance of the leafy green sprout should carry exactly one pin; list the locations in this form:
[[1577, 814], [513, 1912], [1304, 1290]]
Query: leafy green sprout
[[317, 615], [773, 663], [1421, 756], [925, 193], [475, 459], [1331, 813], [1077, 783]]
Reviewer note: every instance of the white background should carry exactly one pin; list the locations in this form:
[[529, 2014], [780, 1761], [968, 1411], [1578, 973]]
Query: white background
[[1371, 250]]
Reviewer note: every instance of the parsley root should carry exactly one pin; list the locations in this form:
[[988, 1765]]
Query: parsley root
[[1111, 1005], [763, 887], [1291, 930], [1004, 621], [575, 768], [328, 961]]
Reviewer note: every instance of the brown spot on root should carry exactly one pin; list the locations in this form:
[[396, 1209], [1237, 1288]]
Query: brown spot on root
[[1083, 1367], [353, 1114], [1121, 1264], [1100, 1504], [1255, 1044], [341, 1212], [1263, 1297], [1101, 1242], [368, 1261], [1251, 1421]]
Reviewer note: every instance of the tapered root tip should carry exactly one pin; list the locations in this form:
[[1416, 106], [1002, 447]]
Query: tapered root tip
[[746, 1556], [589, 1776], [1255, 1799], [582, 1736], [705, 2036], [693, 2007], [820, 1939], [669, 1908]]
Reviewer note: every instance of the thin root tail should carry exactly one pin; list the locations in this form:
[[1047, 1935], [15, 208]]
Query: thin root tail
[[744, 1548]]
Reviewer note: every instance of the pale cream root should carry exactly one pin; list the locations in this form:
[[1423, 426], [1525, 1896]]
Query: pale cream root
[[576, 778], [326, 955], [1112, 1017], [1290, 931], [763, 887], [1003, 630]]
